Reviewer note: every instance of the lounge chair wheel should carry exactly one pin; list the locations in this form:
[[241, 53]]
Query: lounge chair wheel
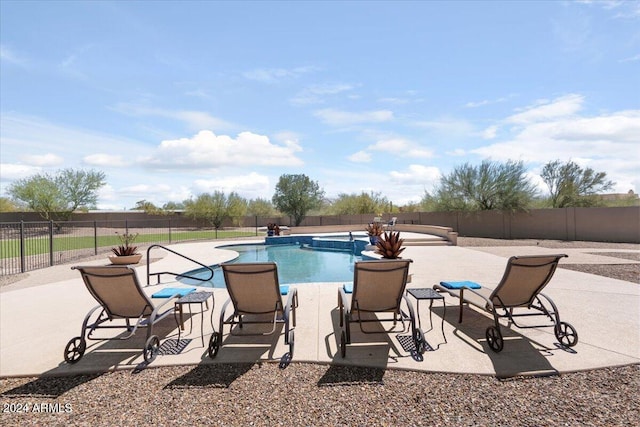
[[566, 334], [494, 339], [74, 350], [419, 340], [214, 344], [291, 342], [343, 344], [151, 348]]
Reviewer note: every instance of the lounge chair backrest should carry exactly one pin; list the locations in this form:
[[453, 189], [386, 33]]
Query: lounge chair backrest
[[379, 285], [117, 289], [253, 287], [523, 279]]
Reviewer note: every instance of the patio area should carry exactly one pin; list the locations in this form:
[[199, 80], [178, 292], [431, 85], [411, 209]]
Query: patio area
[[42, 312]]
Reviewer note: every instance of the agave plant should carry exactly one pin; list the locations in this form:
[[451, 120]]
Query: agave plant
[[390, 245], [125, 248], [374, 229]]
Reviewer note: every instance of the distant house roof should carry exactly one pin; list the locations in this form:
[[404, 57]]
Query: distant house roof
[[618, 196]]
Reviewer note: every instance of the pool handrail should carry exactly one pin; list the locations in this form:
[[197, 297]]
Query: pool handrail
[[177, 275]]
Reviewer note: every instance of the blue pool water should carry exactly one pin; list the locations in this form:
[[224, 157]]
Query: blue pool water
[[295, 265]]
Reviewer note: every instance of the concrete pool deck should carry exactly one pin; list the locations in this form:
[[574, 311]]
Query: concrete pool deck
[[40, 314]]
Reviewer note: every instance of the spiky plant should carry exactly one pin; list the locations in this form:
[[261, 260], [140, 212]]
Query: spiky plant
[[125, 249], [374, 229], [390, 245]]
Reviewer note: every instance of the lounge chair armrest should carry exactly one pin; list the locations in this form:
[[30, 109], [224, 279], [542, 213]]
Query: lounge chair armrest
[[292, 300], [407, 301], [464, 289], [460, 292], [157, 308], [344, 302], [223, 310]]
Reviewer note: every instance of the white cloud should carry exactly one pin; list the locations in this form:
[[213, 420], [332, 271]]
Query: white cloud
[[490, 132], [360, 157], [555, 130], [152, 192], [251, 186], [25, 134], [10, 171], [398, 147], [392, 145], [194, 120], [8, 55], [620, 9], [564, 106], [394, 101], [144, 189], [456, 152], [606, 136], [448, 127], [208, 150], [274, 75], [42, 160], [106, 160], [334, 117], [315, 94], [416, 174], [634, 58], [158, 194], [472, 104], [418, 152]]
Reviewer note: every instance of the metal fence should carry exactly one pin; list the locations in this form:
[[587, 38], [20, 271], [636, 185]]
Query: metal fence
[[26, 246], [29, 245]]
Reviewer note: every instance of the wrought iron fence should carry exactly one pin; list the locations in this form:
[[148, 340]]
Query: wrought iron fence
[[26, 246]]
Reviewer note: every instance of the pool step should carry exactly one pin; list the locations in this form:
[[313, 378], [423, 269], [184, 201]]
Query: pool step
[[427, 241]]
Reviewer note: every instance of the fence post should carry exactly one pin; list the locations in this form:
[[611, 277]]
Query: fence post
[[169, 230], [22, 260], [95, 237], [256, 225], [51, 243]]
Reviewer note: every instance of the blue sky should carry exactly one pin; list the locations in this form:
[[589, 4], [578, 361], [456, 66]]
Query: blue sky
[[173, 99]]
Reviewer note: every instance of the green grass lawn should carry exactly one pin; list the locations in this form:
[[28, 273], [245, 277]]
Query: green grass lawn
[[10, 248]]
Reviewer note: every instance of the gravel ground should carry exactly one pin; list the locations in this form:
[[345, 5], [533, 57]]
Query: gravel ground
[[311, 394], [627, 272], [307, 394]]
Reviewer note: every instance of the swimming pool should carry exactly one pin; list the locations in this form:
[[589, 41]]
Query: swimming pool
[[295, 264]]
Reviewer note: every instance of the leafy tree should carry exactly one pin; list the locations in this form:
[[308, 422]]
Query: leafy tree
[[6, 205], [492, 185], [236, 207], [60, 194], [411, 207], [260, 207], [363, 203], [213, 208], [170, 207], [147, 207], [428, 203], [571, 185], [296, 194]]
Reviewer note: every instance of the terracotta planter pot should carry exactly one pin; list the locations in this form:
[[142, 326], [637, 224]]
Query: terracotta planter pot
[[126, 259]]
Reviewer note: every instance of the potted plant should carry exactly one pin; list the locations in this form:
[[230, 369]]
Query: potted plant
[[374, 230], [273, 229], [390, 245], [125, 253]]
